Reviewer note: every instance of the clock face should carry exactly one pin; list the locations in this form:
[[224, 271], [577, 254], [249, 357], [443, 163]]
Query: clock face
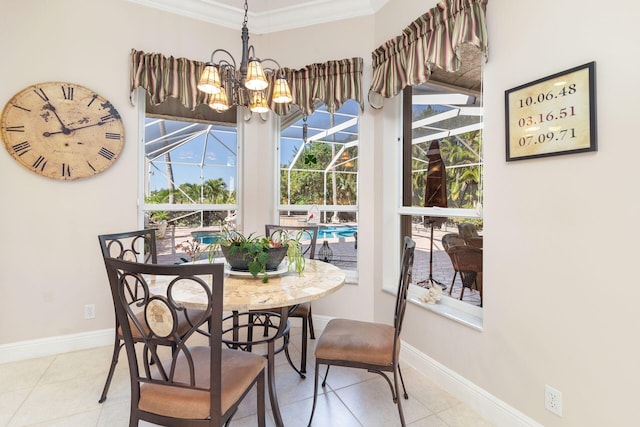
[[62, 130]]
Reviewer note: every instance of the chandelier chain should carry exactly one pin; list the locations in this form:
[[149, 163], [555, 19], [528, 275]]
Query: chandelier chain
[[246, 11]]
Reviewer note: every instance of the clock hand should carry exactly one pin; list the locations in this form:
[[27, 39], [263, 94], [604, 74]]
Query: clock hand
[[67, 131], [88, 126], [51, 108]]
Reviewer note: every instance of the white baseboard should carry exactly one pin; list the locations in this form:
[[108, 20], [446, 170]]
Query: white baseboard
[[483, 403], [489, 407], [55, 345]]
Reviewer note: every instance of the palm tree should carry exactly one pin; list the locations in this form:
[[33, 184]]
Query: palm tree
[[188, 193], [214, 190], [167, 162]]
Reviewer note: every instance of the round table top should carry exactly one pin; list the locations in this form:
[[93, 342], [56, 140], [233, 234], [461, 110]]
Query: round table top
[[244, 292]]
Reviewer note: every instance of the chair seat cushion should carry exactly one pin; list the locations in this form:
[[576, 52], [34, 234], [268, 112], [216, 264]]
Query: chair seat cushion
[[356, 341], [302, 310], [239, 370]]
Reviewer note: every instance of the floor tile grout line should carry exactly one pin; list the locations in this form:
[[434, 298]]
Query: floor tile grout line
[[32, 389], [347, 406]]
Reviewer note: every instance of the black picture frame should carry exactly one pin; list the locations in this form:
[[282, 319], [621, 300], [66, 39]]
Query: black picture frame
[[551, 116]]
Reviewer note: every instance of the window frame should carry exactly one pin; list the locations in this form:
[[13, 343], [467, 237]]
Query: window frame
[[449, 307], [325, 210], [145, 208]]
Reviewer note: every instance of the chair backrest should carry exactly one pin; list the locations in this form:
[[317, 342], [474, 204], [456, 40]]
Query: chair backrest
[[406, 266], [467, 230], [452, 239], [135, 246], [307, 235], [151, 364], [468, 258]]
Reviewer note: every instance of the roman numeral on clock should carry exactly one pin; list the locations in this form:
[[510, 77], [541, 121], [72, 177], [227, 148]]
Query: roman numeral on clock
[[40, 163], [41, 94], [111, 135], [21, 148], [14, 128], [67, 92], [22, 108], [93, 98], [106, 154], [66, 170]]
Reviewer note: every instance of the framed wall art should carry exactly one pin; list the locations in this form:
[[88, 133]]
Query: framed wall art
[[553, 115]]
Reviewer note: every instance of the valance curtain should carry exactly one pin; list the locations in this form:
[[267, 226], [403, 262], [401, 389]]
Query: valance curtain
[[431, 40], [165, 76], [332, 82]]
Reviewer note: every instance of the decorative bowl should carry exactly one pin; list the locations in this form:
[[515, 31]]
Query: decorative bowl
[[239, 260]]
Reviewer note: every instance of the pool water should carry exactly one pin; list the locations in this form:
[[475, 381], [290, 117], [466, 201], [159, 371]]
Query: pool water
[[335, 232], [206, 237]]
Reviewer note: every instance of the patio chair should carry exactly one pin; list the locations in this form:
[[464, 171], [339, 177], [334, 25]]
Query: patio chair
[[196, 384], [449, 240], [308, 235], [367, 345], [469, 233], [135, 246], [468, 260]]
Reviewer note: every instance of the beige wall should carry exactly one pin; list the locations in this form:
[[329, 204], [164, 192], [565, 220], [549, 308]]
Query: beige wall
[[560, 295], [51, 263]]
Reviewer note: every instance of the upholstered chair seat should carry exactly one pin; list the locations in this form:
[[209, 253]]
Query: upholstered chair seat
[[239, 372], [356, 341]]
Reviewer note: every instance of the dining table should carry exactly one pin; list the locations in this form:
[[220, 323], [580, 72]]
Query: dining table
[[244, 293]]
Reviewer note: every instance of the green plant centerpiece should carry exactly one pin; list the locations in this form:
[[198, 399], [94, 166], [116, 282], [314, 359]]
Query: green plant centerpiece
[[257, 254], [294, 253]]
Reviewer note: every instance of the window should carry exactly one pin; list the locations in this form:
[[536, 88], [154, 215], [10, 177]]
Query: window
[[444, 129], [318, 160], [190, 175]]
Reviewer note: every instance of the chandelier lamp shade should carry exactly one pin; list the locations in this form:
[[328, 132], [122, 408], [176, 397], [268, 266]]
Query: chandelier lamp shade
[[249, 85]]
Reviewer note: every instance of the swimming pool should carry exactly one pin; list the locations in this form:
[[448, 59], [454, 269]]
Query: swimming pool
[[335, 232], [205, 237]]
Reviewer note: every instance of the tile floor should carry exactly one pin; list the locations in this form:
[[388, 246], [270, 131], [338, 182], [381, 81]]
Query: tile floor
[[63, 391]]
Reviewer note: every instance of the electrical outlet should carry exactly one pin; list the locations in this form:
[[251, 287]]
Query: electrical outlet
[[89, 311], [553, 400]]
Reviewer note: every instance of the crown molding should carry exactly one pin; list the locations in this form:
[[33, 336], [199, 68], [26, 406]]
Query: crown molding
[[292, 14]]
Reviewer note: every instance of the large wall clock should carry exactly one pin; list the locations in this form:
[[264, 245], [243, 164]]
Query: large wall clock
[[62, 130]]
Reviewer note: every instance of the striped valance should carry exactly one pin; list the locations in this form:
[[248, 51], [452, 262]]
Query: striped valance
[[431, 40], [165, 76], [332, 82]]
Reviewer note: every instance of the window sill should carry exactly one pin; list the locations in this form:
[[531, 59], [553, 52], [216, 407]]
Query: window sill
[[458, 311], [351, 277]]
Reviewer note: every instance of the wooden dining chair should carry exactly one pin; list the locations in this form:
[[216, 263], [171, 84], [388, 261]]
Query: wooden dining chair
[[307, 235], [193, 385], [135, 246], [367, 345]]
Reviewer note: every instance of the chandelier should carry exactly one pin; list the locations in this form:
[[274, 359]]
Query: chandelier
[[247, 86]]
